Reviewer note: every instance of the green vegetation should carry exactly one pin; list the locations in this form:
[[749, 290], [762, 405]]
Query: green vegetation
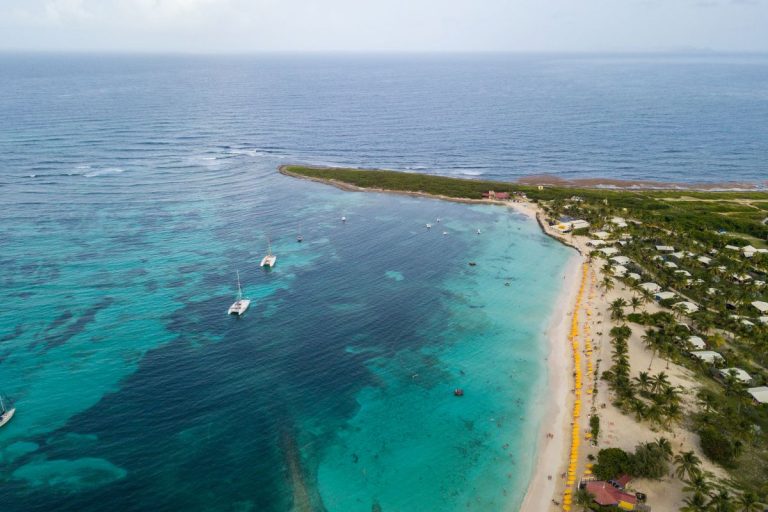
[[650, 460]]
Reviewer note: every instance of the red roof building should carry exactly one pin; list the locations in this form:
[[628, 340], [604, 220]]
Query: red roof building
[[607, 495], [496, 195]]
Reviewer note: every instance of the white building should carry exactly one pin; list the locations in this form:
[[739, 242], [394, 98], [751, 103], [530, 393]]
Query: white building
[[609, 251], [705, 260], [619, 270], [621, 260], [761, 306], [620, 222], [664, 296], [739, 374], [689, 307], [683, 273], [748, 251], [595, 243], [665, 248], [602, 235], [708, 356], [633, 276], [678, 255], [651, 287], [760, 394], [670, 264], [697, 343]]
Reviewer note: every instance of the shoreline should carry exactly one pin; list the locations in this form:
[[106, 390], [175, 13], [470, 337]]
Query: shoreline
[[550, 453]]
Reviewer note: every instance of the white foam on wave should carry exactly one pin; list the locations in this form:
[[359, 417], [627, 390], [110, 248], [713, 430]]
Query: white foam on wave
[[104, 172]]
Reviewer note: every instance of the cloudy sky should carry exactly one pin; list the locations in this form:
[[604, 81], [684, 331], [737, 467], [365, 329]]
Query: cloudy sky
[[384, 25]]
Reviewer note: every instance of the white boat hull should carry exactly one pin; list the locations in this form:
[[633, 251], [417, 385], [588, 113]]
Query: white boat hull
[[269, 261], [5, 418], [239, 307]]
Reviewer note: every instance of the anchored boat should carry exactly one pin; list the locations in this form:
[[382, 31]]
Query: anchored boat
[[241, 304]]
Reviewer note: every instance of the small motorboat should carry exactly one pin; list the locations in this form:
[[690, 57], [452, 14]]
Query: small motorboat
[[429, 226], [472, 263], [445, 233], [478, 231], [343, 219], [5, 413], [458, 392], [437, 220]]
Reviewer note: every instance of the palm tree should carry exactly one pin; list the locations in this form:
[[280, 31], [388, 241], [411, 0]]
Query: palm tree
[[680, 310], [643, 381], [659, 382], [635, 302], [708, 399], [698, 484], [584, 499], [665, 447], [721, 502], [617, 309], [695, 503], [747, 502], [639, 408], [607, 283], [687, 465]]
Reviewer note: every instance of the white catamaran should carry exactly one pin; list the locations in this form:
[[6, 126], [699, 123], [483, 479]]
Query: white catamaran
[[5, 413], [270, 259], [241, 304]]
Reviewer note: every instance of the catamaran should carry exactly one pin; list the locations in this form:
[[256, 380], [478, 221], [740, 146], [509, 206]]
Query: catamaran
[[241, 304], [270, 259], [5, 413]]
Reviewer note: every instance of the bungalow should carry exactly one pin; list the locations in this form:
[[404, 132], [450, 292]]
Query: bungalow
[[707, 356], [665, 248], [759, 394], [712, 291], [619, 270], [683, 273], [579, 224], [651, 287], [595, 243], [763, 320], [704, 260], [731, 247], [619, 222], [496, 195], [678, 255], [664, 296], [738, 374], [602, 235], [621, 260], [606, 495], [697, 343], [633, 276], [748, 251], [742, 278], [670, 264], [609, 251], [689, 307], [761, 306]]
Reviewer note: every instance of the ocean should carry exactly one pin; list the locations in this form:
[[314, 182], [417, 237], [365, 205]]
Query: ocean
[[133, 188]]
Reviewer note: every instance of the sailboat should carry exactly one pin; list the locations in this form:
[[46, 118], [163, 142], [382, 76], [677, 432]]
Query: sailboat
[[299, 237], [241, 304], [270, 259], [5, 413]]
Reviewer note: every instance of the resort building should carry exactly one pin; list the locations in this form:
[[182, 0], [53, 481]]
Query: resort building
[[496, 195], [602, 235], [664, 296], [761, 306], [759, 394], [683, 273], [595, 243], [633, 276], [748, 251], [621, 260], [651, 287], [738, 374], [731, 247], [708, 356], [609, 251], [619, 270], [704, 260], [689, 307], [678, 255], [697, 343], [606, 495], [665, 248], [670, 264], [763, 320]]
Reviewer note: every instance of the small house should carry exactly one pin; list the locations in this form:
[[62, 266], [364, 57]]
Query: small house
[[651, 287], [664, 296], [697, 343], [688, 307], [708, 356], [738, 374], [759, 394]]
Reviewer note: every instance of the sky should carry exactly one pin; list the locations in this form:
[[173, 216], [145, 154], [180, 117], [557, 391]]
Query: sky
[[247, 26]]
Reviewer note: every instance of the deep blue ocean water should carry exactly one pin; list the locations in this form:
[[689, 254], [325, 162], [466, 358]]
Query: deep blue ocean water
[[133, 188]]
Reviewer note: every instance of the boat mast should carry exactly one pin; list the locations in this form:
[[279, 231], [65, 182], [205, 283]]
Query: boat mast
[[239, 290], [2, 405]]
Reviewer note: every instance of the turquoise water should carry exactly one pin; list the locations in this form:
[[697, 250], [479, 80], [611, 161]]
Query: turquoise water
[[133, 188]]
